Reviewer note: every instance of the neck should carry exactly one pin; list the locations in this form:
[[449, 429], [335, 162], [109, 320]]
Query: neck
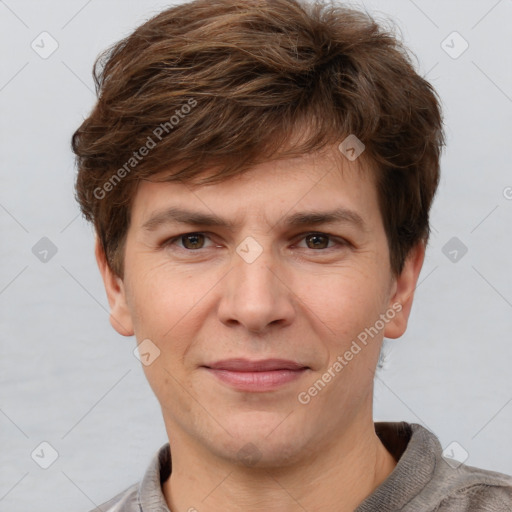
[[337, 477]]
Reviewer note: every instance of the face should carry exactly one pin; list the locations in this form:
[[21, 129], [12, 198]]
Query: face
[[265, 299]]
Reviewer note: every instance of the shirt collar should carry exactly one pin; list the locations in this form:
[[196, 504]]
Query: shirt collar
[[150, 496]]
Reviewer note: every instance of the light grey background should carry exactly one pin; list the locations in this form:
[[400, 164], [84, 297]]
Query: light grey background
[[69, 379]]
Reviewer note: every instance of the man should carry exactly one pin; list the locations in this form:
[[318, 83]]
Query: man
[[260, 175]]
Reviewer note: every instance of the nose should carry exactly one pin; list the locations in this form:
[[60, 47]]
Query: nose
[[257, 295]]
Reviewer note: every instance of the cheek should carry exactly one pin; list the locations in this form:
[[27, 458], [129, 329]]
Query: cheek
[[163, 298], [344, 300], [165, 312], [348, 303]]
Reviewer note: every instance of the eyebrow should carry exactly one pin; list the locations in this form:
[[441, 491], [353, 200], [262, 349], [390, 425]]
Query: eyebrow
[[308, 218]]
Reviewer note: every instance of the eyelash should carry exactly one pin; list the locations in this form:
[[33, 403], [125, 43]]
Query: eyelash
[[339, 242]]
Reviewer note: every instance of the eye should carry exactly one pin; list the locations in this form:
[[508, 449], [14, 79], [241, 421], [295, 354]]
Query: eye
[[193, 242], [318, 241], [189, 241]]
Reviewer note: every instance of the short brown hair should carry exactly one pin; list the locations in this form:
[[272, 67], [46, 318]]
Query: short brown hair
[[224, 84]]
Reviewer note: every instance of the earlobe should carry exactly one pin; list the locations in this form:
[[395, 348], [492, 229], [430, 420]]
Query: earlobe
[[120, 316], [404, 286]]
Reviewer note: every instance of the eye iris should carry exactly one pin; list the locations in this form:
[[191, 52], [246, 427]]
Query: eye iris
[[196, 239], [316, 243]]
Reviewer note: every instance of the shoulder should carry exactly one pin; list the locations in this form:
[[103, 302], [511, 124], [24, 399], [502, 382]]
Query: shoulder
[[462, 488], [425, 480], [125, 501], [146, 494], [477, 490]]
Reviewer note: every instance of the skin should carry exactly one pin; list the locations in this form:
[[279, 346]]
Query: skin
[[303, 298]]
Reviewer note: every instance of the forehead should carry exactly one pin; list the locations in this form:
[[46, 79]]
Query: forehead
[[322, 181]]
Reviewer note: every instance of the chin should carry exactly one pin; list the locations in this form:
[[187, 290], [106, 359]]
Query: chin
[[263, 440]]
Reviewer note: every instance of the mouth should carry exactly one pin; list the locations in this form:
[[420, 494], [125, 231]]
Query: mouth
[[256, 376]]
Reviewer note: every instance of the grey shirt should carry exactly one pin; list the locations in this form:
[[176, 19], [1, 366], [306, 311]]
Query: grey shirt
[[422, 480]]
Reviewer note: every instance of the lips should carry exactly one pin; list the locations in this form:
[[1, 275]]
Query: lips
[[245, 365], [256, 376]]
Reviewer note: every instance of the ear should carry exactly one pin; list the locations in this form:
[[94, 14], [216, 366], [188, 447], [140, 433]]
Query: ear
[[403, 292], [120, 316]]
